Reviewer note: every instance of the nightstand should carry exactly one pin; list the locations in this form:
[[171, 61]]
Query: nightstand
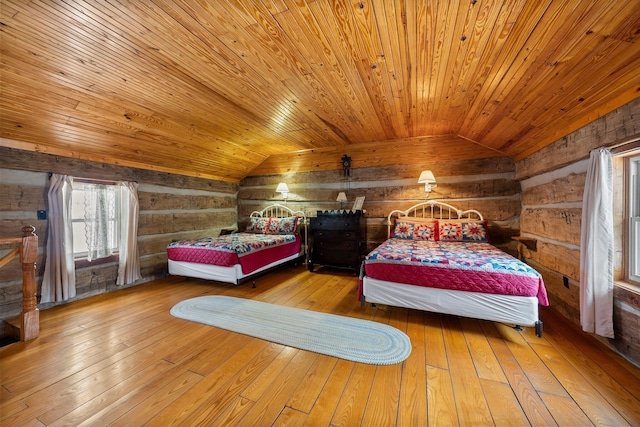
[[337, 239]]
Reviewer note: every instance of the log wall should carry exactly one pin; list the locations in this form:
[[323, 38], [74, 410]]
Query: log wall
[[553, 182], [486, 184], [172, 207]]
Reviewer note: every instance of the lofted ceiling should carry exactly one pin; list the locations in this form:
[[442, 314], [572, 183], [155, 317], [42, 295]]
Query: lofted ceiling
[[215, 88]]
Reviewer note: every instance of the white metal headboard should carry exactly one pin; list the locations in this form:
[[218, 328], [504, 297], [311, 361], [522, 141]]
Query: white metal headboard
[[432, 209], [279, 211]]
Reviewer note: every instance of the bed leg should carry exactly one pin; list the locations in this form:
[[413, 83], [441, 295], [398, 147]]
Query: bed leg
[[517, 328], [363, 301], [539, 328], [253, 283]]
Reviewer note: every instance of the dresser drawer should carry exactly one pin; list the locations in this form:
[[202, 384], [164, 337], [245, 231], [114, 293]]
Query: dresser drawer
[[335, 235], [335, 243], [336, 257], [338, 223]]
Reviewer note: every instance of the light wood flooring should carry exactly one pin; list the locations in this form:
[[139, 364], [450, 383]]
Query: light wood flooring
[[122, 359]]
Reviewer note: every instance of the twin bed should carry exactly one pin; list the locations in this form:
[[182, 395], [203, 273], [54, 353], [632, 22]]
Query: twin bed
[[438, 258], [272, 238]]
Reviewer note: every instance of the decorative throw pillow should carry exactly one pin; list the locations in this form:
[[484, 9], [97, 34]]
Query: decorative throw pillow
[[415, 229], [282, 225], [403, 230], [463, 230], [257, 225], [427, 231]]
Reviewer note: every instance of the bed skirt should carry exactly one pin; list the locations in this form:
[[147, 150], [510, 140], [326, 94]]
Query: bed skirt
[[517, 310], [231, 274]]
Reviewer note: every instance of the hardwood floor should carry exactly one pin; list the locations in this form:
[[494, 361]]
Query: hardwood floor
[[122, 359]]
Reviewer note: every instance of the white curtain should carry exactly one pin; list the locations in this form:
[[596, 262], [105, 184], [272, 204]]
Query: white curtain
[[129, 262], [596, 246], [100, 220], [59, 281]]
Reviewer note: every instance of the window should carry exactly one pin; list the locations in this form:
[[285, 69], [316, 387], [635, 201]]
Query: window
[[95, 218], [633, 218], [109, 211]]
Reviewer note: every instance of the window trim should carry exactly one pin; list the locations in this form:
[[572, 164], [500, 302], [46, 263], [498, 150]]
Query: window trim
[[632, 218], [84, 263], [623, 153]]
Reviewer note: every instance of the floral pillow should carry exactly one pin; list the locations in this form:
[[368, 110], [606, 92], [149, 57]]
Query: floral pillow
[[282, 225], [425, 231], [257, 225], [463, 230], [415, 229]]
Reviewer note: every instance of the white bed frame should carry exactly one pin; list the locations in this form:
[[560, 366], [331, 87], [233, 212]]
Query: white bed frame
[[234, 273], [515, 310]]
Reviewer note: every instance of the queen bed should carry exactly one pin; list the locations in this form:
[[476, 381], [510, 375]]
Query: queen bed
[[439, 258], [272, 238]]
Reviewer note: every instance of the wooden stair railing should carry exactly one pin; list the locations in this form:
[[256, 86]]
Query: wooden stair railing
[[27, 326]]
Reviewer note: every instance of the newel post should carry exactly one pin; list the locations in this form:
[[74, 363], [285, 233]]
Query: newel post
[[30, 316]]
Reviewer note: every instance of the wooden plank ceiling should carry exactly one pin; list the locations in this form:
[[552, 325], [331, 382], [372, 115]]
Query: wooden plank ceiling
[[214, 88]]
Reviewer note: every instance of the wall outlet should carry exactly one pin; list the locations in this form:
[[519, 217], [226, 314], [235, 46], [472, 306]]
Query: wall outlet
[[565, 281]]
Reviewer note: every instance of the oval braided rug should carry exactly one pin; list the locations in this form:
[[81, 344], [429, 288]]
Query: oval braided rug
[[358, 340]]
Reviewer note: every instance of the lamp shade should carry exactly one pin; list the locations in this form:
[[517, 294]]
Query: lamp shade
[[282, 188], [427, 177], [341, 197]]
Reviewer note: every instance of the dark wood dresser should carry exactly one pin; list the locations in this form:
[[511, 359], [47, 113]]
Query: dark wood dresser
[[337, 239]]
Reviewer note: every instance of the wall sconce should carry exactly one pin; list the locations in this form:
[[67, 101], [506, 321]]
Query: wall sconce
[[429, 181], [282, 188], [341, 198]]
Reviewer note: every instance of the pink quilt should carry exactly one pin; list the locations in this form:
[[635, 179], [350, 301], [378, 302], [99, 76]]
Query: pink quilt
[[468, 266], [251, 250]]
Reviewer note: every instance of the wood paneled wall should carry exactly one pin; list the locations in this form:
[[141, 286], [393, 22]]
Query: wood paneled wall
[[172, 207], [553, 182], [486, 184]]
